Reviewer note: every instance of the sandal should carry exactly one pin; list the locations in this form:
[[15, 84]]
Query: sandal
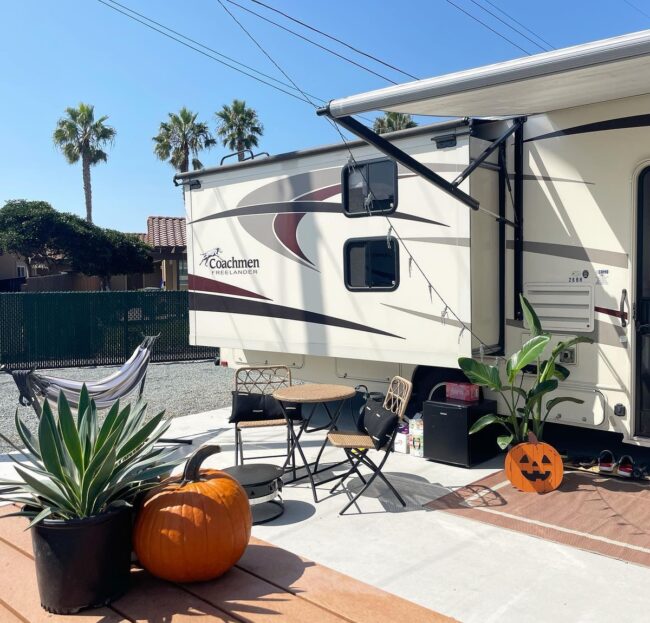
[[606, 462], [625, 467]]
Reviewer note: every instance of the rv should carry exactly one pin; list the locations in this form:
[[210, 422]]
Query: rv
[[400, 253]]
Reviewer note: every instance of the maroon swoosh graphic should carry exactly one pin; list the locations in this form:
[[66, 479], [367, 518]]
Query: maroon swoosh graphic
[[321, 194], [227, 305], [285, 226], [329, 191], [194, 282], [611, 312], [303, 206]]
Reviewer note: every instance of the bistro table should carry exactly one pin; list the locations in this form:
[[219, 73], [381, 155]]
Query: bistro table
[[314, 394]]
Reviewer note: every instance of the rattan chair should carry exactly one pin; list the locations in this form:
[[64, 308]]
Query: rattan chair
[[357, 444], [260, 380]]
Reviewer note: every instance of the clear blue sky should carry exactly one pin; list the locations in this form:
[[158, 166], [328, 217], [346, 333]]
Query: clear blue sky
[[56, 54]]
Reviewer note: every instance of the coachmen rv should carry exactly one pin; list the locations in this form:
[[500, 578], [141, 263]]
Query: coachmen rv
[[396, 254]]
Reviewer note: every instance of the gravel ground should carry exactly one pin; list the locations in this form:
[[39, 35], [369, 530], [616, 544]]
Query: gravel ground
[[178, 388]]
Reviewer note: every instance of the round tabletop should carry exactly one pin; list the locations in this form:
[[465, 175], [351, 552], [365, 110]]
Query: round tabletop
[[314, 392]]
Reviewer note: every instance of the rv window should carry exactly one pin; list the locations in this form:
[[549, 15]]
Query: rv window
[[370, 264], [370, 188]]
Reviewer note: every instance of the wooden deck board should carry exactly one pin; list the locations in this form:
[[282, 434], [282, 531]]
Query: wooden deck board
[[150, 600], [8, 616], [19, 591], [268, 585], [256, 601]]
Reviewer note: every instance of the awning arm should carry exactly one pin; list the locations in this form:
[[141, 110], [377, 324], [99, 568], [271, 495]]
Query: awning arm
[[387, 148], [488, 150]]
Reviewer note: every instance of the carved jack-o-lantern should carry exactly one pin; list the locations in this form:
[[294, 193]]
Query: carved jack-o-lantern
[[534, 467]]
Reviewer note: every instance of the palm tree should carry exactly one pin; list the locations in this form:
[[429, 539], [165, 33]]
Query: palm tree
[[181, 137], [239, 127], [80, 136], [392, 121]]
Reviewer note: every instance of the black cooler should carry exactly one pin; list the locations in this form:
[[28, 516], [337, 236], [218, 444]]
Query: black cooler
[[446, 432]]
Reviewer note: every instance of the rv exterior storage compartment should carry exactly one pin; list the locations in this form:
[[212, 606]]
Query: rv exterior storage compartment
[[446, 432]]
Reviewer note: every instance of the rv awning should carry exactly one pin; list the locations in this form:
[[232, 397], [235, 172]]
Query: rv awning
[[584, 74]]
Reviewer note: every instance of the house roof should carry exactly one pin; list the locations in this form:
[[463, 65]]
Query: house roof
[[166, 231]]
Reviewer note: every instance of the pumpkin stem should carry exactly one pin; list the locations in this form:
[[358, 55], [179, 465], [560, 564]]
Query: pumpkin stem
[[532, 437], [193, 465]]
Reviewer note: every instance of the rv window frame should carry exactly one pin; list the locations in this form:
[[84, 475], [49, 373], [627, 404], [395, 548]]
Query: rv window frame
[[394, 244], [356, 165]]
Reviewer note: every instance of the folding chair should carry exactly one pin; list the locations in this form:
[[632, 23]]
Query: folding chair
[[258, 381], [357, 444]]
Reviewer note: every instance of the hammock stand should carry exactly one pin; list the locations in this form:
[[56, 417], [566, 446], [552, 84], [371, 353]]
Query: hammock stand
[[131, 376]]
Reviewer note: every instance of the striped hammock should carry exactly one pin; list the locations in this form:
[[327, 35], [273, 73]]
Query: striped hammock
[[130, 377]]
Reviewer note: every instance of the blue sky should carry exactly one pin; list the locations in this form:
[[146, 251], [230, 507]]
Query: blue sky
[[56, 54]]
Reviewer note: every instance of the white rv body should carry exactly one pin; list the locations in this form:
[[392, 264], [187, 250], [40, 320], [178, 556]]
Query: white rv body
[[277, 294]]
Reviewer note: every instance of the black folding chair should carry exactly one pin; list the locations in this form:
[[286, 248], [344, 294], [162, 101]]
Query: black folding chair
[[357, 444]]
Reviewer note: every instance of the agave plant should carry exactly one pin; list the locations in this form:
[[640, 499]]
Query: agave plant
[[526, 408], [77, 467]]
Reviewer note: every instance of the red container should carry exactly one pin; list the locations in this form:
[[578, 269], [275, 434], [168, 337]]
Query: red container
[[462, 391]]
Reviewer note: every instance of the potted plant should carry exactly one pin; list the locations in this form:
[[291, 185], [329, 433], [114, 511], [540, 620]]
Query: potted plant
[[527, 410], [76, 481]]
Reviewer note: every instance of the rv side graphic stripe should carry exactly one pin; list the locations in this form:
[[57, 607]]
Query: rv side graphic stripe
[[597, 256], [327, 192], [621, 123], [611, 312], [301, 206], [194, 282], [228, 305], [527, 177], [455, 242], [450, 321], [286, 229]]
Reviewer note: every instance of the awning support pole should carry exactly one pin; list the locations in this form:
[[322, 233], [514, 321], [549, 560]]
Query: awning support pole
[[387, 148], [488, 150], [519, 219]]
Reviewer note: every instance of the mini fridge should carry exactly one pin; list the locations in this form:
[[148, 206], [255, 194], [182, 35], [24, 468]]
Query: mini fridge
[[446, 432]]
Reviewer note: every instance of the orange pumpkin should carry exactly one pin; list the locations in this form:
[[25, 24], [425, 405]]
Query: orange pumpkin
[[196, 528], [534, 467]]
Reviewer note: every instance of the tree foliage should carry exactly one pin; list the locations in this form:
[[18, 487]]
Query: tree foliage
[[393, 121], [80, 136], [182, 137], [239, 127], [35, 231]]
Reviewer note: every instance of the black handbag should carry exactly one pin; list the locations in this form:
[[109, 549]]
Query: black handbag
[[366, 396], [379, 423], [248, 407]]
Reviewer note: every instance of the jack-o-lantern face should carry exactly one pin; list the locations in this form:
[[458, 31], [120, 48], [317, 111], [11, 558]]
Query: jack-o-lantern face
[[534, 467]]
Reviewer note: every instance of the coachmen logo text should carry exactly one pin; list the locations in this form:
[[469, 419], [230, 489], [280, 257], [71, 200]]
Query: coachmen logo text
[[220, 265]]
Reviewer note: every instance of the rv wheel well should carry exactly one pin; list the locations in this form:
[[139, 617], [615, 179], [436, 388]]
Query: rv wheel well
[[425, 378]]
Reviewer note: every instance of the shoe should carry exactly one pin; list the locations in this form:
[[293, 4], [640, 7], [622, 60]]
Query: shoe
[[606, 462], [625, 467]]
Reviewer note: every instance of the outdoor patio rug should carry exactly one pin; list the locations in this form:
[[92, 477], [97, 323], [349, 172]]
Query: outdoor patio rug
[[268, 585], [603, 515]]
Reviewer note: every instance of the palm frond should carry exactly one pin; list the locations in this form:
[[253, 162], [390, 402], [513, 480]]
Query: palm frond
[[238, 126], [181, 137]]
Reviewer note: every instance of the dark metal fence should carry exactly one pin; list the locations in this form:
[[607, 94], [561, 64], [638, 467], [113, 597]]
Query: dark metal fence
[[60, 329]]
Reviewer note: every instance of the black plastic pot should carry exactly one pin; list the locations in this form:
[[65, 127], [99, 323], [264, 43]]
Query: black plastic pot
[[82, 563]]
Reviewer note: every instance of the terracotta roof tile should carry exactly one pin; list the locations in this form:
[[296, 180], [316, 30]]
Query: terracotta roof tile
[[166, 231]]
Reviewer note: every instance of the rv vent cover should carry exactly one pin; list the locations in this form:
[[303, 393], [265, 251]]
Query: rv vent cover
[[563, 306]]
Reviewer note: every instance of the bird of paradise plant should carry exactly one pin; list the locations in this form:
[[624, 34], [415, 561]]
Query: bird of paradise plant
[[526, 408]]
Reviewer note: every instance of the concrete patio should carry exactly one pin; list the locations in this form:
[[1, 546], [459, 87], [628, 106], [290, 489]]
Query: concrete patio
[[470, 571]]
